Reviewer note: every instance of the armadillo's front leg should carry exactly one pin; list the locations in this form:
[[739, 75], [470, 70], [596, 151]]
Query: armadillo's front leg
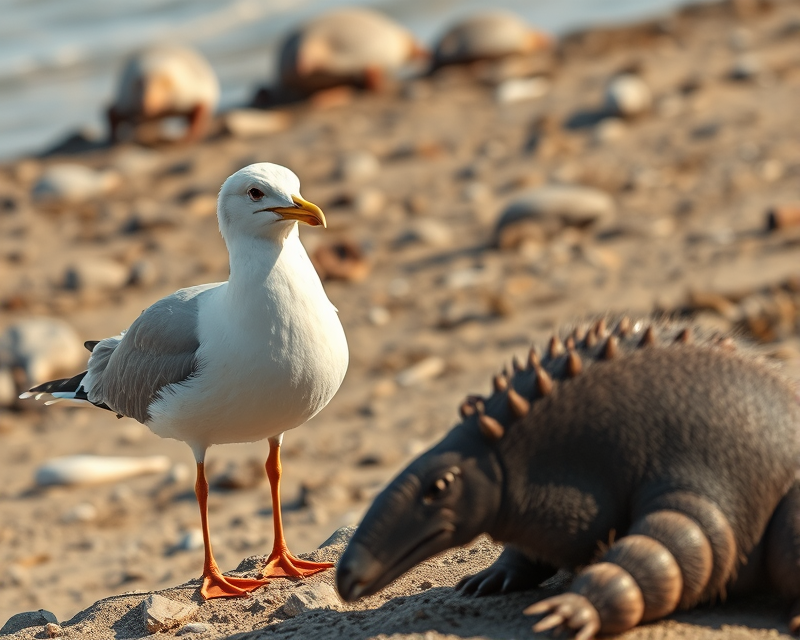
[[782, 546], [672, 558], [512, 571]]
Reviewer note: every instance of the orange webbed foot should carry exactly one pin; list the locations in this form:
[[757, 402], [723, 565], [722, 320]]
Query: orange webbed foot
[[285, 565], [219, 586]]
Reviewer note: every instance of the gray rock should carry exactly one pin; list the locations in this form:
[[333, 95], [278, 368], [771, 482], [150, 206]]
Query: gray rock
[[310, 597], [27, 619], [160, 613], [628, 95], [192, 627], [340, 536], [552, 207]]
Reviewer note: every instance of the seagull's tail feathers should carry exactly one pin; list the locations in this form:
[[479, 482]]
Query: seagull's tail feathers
[[66, 389]]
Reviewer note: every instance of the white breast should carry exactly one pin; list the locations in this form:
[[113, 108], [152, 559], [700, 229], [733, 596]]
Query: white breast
[[269, 360]]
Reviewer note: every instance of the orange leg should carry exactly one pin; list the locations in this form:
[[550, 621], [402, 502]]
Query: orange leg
[[281, 562], [215, 585]]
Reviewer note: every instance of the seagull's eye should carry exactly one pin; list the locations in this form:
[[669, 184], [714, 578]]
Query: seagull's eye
[[255, 194], [441, 485]]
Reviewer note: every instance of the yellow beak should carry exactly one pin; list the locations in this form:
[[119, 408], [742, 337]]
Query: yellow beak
[[303, 211]]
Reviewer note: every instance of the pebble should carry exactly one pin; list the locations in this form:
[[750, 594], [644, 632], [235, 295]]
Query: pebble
[[190, 540], [247, 474], [192, 627], [369, 202], [609, 130], [43, 347], [423, 370], [310, 597], [252, 123], [628, 95], [143, 273], [358, 166], [88, 469], [73, 183], [746, 67], [53, 630], [98, 274], [81, 512], [553, 207], [160, 613], [427, 232], [379, 316], [178, 474], [521, 89], [26, 620]]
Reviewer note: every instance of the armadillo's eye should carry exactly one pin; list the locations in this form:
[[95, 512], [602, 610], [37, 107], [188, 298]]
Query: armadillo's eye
[[255, 194], [441, 485]]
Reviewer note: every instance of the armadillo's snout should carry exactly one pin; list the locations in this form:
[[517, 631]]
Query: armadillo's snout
[[357, 571]]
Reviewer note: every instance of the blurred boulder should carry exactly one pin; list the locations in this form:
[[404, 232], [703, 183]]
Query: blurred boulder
[[628, 95]]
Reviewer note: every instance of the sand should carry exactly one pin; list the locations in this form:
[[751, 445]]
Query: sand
[[416, 178]]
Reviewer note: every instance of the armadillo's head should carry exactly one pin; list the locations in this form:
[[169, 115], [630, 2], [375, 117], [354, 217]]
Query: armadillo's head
[[445, 498]]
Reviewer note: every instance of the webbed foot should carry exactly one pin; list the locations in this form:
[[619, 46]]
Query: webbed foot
[[570, 611]]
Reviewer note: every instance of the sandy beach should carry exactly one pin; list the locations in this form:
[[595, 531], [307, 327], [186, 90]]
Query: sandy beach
[[414, 180]]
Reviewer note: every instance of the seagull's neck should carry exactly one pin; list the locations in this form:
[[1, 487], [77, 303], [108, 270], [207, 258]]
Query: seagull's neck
[[257, 262]]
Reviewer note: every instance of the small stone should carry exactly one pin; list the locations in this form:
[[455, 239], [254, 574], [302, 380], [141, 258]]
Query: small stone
[[369, 202], [552, 207], [190, 541], [245, 475], [340, 536], [143, 273], [746, 67], [161, 613], [251, 123], [53, 630], [342, 260], [628, 95], [379, 316], [178, 474], [784, 216], [26, 620], [428, 232], [192, 627], [426, 369], [476, 191], [357, 166], [311, 597], [97, 274], [8, 388], [521, 89], [73, 183], [609, 130], [81, 512]]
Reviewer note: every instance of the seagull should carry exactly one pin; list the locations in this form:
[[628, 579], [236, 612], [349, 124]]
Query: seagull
[[235, 361]]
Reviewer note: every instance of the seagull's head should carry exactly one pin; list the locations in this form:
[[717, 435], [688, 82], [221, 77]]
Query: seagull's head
[[263, 200]]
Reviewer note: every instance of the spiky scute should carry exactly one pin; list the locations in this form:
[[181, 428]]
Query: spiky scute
[[571, 356]]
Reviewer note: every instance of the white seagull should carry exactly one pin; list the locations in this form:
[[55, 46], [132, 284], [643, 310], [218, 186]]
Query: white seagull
[[235, 361]]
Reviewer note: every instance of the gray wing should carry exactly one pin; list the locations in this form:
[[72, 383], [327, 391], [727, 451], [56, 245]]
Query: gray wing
[[160, 348]]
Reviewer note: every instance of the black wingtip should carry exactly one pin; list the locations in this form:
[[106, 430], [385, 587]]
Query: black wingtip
[[91, 344], [64, 384]]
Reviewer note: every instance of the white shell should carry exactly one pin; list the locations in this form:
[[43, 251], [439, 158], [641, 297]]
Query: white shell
[[86, 469]]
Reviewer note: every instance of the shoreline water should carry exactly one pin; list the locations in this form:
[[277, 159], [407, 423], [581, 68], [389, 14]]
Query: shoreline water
[[59, 61]]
